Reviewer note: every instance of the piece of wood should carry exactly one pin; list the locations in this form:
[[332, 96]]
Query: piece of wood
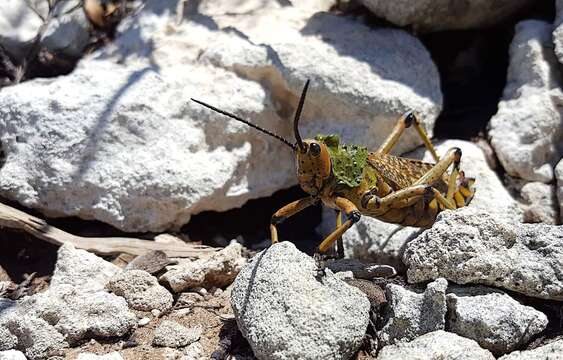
[[16, 219]]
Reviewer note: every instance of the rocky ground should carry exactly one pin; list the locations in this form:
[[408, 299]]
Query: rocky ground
[[98, 137]]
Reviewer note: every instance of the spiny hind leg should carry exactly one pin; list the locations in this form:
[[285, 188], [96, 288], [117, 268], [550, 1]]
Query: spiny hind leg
[[405, 121]]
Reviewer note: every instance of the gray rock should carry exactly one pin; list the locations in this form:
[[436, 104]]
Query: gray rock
[[472, 246], [90, 356], [12, 355], [551, 351], [437, 345], [436, 15], [383, 243], [219, 270], [152, 262], [19, 24], [141, 290], [7, 340], [559, 176], [410, 314], [285, 311], [527, 131], [81, 269], [558, 30], [35, 337], [128, 150], [361, 270], [541, 203], [68, 32], [496, 321], [171, 334]]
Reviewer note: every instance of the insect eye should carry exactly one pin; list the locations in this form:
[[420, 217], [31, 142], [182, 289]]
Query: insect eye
[[315, 149]]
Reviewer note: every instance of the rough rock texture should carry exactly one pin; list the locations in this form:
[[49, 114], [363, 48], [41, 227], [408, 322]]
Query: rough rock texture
[[437, 345], [171, 334], [472, 246], [410, 314], [527, 131], [541, 203], [12, 355], [551, 351], [374, 240], [141, 290], [82, 269], [559, 176], [219, 270], [90, 356], [285, 311], [558, 32], [436, 15], [128, 149], [495, 320], [7, 340], [67, 33]]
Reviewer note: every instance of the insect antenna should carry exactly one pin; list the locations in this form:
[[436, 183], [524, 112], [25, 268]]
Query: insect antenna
[[297, 116], [233, 116]]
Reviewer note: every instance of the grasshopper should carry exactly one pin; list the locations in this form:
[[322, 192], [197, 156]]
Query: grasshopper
[[356, 182]]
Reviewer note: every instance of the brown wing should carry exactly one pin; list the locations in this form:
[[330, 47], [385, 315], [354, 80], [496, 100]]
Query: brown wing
[[398, 172]]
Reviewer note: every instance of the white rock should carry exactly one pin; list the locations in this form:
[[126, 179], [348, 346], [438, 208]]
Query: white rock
[[472, 246], [527, 131], [144, 321], [12, 355], [496, 321], [7, 340], [437, 345], [551, 351], [286, 312], [171, 334], [128, 150], [436, 15], [374, 240], [19, 24], [410, 314], [90, 356], [194, 351], [541, 203], [559, 176], [219, 270], [558, 32], [141, 290], [81, 269]]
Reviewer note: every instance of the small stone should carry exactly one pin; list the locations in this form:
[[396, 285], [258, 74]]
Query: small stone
[[410, 314], [171, 334], [81, 269], [141, 290], [541, 203], [12, 355], [144, 321], [286, 311], [219, 270], [437, 345], [151, 262], [194, 351], [91, 356], [559, 176], [188, 299], [155, 313], [551, 351], [496, 321]]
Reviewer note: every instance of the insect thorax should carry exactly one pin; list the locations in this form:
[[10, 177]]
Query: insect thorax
[[348, 161]]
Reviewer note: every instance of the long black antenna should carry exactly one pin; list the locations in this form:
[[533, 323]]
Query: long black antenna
[[298, 115], [233, 116]]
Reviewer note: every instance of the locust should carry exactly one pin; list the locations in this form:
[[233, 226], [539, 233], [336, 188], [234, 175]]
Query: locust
[[356, 182]]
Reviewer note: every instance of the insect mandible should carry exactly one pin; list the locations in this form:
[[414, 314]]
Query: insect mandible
[[356, 182]]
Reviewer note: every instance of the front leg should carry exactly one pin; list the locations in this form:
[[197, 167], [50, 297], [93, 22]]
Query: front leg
[[353, 215], [287, 211]]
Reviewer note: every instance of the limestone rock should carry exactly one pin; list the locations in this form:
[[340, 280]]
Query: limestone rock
[[437, 345], [436, 15], [130, 150], [559, 176], [12, 355], [219, 270], [551, 351], [82, 269], [527, 131], [384, 243], [496, 321], [141, 290], [410, 314], [472, 246], [171, 334], [285, 311], [541, 203]]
